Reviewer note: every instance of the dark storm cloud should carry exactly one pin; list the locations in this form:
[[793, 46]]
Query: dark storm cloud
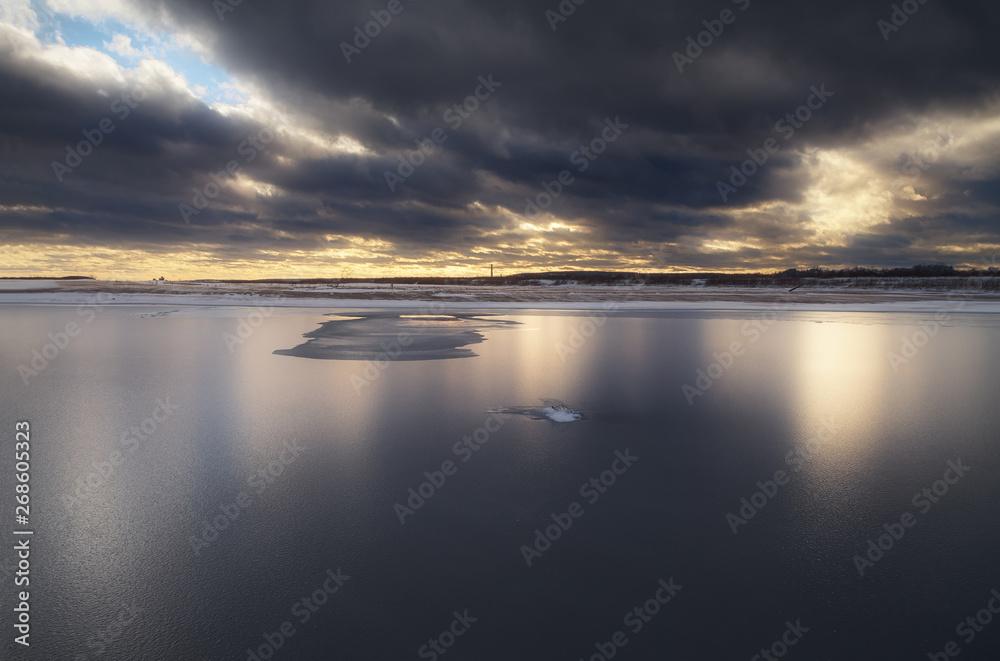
[[656, 183], [614, 58]]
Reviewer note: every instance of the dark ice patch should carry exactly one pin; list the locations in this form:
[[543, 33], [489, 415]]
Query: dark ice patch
[[396, 335]]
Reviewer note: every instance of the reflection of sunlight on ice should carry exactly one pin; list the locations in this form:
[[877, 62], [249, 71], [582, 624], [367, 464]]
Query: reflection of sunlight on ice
[[841, 376], [840, 371]]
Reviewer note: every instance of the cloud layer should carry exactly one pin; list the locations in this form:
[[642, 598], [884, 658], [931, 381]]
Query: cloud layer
[[733, 134]]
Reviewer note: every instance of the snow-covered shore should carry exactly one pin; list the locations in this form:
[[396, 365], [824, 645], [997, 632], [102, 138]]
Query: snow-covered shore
[[459, 297]]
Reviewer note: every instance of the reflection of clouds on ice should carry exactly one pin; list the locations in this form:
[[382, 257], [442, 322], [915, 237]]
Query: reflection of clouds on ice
[[553, 410]]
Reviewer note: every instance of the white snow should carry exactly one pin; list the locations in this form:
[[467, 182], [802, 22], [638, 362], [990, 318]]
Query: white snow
[[919, 306], [28, 284], [561, 415], [567, 298]]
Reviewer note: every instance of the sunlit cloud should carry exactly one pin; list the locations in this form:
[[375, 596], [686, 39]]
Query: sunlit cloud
[[892, 174]]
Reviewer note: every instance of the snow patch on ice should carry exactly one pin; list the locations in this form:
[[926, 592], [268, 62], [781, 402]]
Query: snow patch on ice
[[562, 415], [554, 411]]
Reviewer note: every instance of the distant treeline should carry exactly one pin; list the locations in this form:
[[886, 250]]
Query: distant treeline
[[918, 271], [941, 275], [47, 277], [920, 276]]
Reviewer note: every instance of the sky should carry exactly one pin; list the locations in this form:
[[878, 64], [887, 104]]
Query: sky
[[256, 139]]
